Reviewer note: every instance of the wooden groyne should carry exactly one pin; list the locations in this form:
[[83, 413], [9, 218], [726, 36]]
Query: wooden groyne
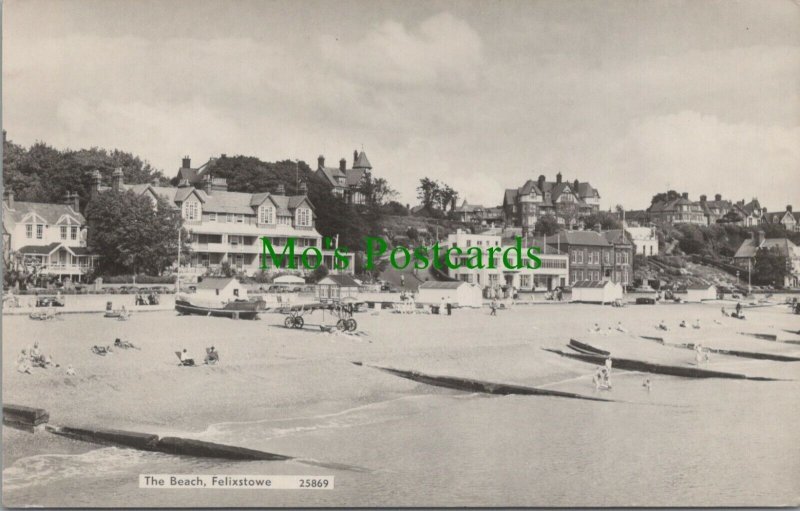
[[734, 353], [24, 417], [770, 337], [470, 385], [650, 367]]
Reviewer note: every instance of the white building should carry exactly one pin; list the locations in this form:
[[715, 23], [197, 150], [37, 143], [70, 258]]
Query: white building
[[48, 237], [229, 226], [700, 292], [553, 272], [593, 291], [461, 294], [644, 239]]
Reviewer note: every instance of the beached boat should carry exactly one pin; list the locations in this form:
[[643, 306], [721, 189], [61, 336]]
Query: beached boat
[[237, 309]]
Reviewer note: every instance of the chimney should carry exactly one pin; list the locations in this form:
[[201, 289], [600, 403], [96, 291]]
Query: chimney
[[764, 210], [303, 188], [208, 184], [187, 162], [280, 189], [223, 155], [320, 161], [703, 198], [76, 202], [541, 183], [96, 180], [789, 208], [575, 185], [9, 198], [558, 177], [718, 197], [67, 198], [117, 179], [342, 164], [685, 195], [355, 157]]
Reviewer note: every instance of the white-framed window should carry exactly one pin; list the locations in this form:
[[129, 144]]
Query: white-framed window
[[239, 219], [266, 215], [303, 217], [29, 231], [191, 210], [63, 230], [73, 232], [39, 231], [212, 217]]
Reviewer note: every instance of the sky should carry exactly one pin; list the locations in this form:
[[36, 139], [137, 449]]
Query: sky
[[634, 96]]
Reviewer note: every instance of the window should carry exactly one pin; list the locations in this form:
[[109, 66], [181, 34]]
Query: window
[[39, 231], [580, 256], [191, 211], [63, 230], [29, 231], [230, 218], [266, 215], [239, 219], [303, 217], [212, 217], [607, 257], [74, 232]]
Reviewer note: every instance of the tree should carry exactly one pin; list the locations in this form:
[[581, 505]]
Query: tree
[[769, 267], [132, 236], [665, 197], [548, 225], [605, 220], [376, 191], [447, 197], [428, 192], [318, 274]]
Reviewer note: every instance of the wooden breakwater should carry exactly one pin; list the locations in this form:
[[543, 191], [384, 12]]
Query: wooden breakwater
[[486, 387]]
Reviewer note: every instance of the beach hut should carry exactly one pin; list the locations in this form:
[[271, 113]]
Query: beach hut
[[289, 280], [333, 288], [220, 288], [458, 293], [594, 291], [700, 292]]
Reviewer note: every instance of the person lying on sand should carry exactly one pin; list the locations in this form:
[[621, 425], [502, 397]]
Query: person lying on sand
[[683, 323], [101, 350], [595, 329], [185, 359], [621, 328], [124, 344], [696, 324], [662, 326]]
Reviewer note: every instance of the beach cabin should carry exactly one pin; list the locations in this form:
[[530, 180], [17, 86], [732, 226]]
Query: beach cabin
[[458, 293], [593, 291], [289, 281], [220, 289], [700, 292], [335, 287]]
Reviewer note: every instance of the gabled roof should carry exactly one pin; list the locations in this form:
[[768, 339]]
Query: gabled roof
[[39, 249], [49, 212], [587, 238], [749, 247], [616, 236], [331, 174], [353, 176], [214, 282], [589, 284]]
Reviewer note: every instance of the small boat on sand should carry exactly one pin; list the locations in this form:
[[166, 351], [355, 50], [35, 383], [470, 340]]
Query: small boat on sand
[[237, 309]]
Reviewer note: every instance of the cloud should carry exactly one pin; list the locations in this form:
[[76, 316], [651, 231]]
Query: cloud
[[442, 52]]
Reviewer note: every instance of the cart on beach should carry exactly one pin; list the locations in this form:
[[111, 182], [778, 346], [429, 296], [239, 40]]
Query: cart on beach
[[342, 310]]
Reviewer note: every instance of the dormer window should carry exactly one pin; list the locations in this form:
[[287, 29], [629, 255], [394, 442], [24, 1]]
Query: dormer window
[[191, 210], [303, 218], [266, 215]]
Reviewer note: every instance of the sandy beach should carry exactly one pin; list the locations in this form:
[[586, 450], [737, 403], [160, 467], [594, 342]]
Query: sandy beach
[[268, 373]]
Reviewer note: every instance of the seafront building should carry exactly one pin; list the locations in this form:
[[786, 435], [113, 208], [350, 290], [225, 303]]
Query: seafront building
[[227, 227], [787, 218], [746, 254], [478, 214], [597, 256], [566, 201], [553, 272], [47, 238], [645, 240]]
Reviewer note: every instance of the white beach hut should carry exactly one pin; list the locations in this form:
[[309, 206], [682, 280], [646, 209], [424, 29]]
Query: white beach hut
[[593, 291], [289, 280], [458, 293], [700, 292], [220, 289]]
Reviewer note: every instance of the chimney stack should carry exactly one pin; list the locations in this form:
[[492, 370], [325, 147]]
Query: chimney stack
[[541, 183], [355, 157], [67, 198], [9, 198], [685, 195], [208, 184], [558, 177], [280, 189], [342, 164], [303, 188], [575, 185], [703, 198], [789, 208], [187, 162], [117, 179], [718, 197], [76, 202], [320, 161]]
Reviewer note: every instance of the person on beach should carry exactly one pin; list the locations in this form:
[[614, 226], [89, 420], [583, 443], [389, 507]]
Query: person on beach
[[124, 344], [683, 323], [595, 329], [646, 384], [724, 312], [35, 352], [621, 328], [696, 324], [662, 325], [212, 356], [186, 360], [23, 364], [608, 366], [700, 356], [738, 308], [493, 306]]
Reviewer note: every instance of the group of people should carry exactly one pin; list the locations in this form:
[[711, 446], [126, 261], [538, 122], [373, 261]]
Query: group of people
[[737, 313], [602, 377], [596, 329], [33, 357], [212, 357], [151, 299]]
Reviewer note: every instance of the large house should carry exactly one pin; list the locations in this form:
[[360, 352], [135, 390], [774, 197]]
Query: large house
[[787, 218], [50, 238], [476, 213], [346, 183], [566, 201], [681, 210], [677, 211], [553, 272], [745, 256], [597, 256], [645, 240], [228, 226]]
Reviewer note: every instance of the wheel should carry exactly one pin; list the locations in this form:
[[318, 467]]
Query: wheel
[[341, 325], [288, 322], [351, 325], [298, 322]]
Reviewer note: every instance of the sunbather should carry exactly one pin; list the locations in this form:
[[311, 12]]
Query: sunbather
[[212, 356]]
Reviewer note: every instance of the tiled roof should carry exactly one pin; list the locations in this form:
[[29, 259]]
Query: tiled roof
[[362, 162], [214, 282], [343, 280], [435, 284], [589, 284], [48, 211], [749, 247], [39, 249], [589, 238], [511, 195], [353, 176]]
